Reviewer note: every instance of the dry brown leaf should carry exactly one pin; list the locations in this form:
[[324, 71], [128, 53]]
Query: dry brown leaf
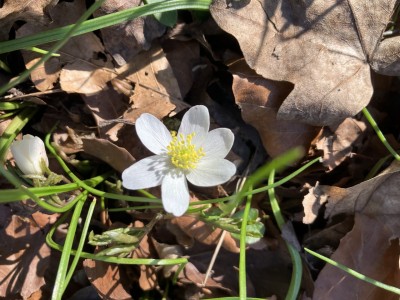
[[366, 249], [115, 156], [148, 276], [156, 88], [259, 100], [183, 58], [84, 52], [22, 10], [337, 142], [168, 252], [325, 48], [107, 105], [125, 40], [191, 275], [78, 77], [267, 271], [107, 280], [371, 247], [24, 254], [156, 91], [377, 197], [202, 232]]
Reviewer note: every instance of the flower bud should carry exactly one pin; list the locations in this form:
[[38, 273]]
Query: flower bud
[[30, 155]]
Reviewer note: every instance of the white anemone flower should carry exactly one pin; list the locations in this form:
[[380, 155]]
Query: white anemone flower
[[30, 155], [193, 154]]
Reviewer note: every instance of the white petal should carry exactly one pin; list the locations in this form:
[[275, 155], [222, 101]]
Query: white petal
[[210, 172], [175, 193], [218, 143], [28, 154], [37, 152], [153, 133], [145, 173], [196, 120]]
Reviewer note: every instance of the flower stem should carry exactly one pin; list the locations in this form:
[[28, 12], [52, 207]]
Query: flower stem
[[13, 129], [297, 270], [379, 133], [242, 254]]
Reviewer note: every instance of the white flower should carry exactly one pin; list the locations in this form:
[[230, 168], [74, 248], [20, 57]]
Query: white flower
[[30, 155], [193, 154]]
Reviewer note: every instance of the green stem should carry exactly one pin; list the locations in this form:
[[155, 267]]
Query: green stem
[[242, 254], [297, 271], [112, 259], [69, 33], [92, 190], [102, 22], [59, 283], [81, 244], [360, 276], [379, 133], [16, 125]]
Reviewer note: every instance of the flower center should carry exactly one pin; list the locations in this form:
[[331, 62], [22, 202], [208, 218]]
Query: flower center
[[183, 153]]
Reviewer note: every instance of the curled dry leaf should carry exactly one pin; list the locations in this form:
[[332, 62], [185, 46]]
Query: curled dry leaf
[[326, 49], [337, 142], [378, 197], [259, 100]]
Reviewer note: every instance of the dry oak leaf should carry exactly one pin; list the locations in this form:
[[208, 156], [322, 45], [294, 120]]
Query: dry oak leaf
[[366, 249], [325, 48], [259, 100], [371, 247]]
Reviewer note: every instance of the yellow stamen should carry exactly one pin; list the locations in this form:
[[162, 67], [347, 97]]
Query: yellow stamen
[[183, 153]]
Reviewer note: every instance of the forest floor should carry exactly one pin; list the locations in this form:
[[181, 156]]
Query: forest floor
[[281, 75]]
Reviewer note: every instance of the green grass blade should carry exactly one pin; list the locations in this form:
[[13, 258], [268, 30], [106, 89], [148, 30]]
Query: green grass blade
[[102, 22], [64, 39], [59, 283], [111, 259], [81, 244], [379, 133], [297, 270], [12, 130], [357, 275], [242, 254]]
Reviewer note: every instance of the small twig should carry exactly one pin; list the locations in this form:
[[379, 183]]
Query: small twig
[[221, 238]]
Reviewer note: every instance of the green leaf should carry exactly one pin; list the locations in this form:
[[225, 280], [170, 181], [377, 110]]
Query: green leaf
[[168, 18]]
